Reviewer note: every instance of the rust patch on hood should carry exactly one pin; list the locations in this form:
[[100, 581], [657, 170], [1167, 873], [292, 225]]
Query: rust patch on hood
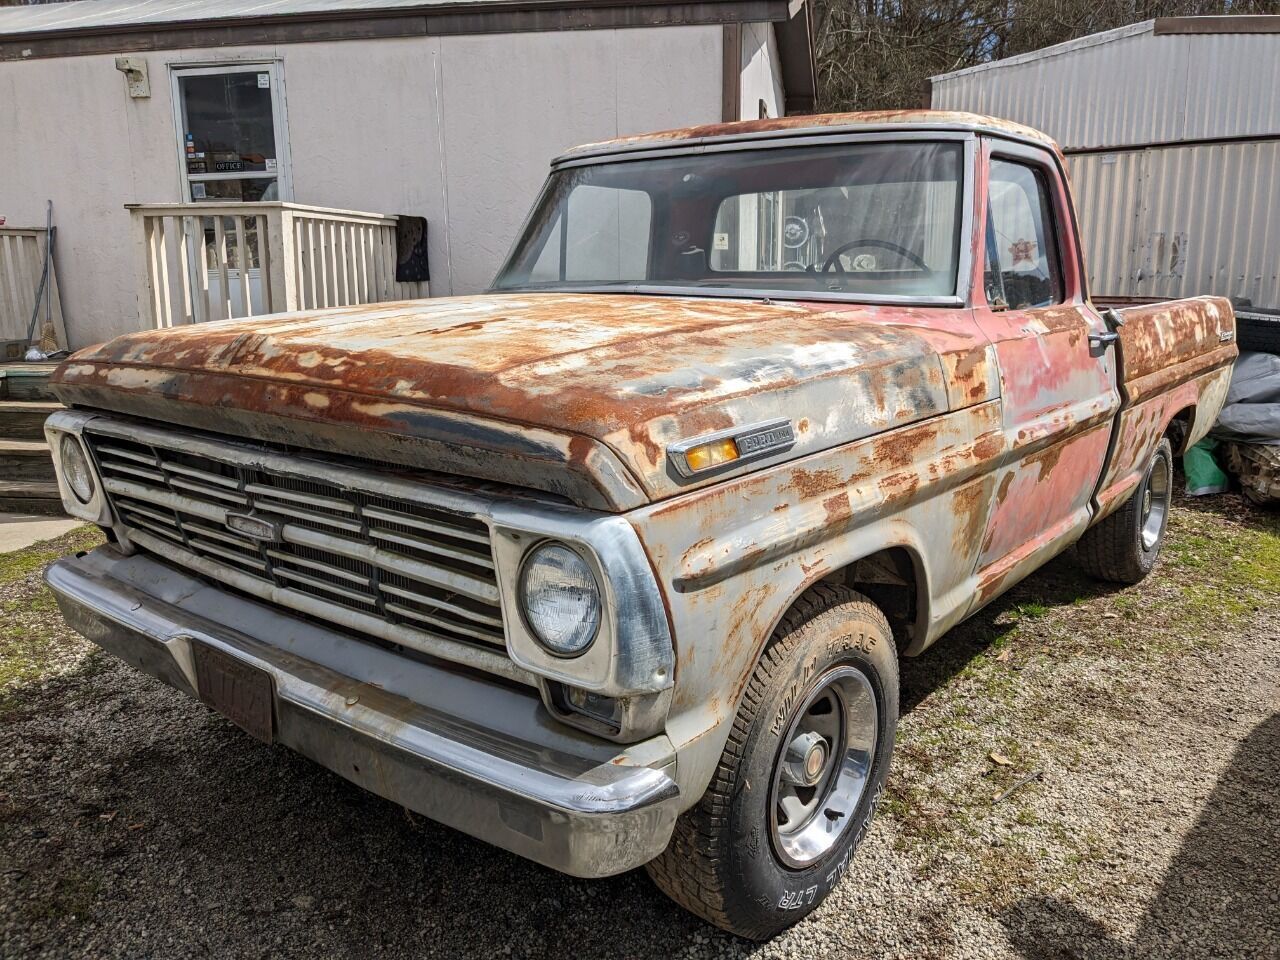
[[632, 374]]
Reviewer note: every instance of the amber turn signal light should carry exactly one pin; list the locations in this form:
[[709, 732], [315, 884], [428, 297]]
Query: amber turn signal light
[[708, 455]]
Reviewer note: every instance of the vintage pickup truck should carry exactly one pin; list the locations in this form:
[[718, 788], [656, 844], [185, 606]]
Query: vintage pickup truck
[[612, 565]]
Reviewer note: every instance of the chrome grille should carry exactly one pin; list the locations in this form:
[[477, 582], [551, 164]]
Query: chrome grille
[[358, 557]]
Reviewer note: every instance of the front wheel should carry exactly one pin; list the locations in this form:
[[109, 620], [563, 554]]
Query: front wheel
[[800, 776], [1123, 547]]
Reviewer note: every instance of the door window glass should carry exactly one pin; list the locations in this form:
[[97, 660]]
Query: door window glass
[[1022, 265], [229, 128]]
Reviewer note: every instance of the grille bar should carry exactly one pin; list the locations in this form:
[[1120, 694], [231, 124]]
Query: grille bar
[[351, 555], [473, 655]]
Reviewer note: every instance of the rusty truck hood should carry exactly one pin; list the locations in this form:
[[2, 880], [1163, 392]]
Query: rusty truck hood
[[576, 394]]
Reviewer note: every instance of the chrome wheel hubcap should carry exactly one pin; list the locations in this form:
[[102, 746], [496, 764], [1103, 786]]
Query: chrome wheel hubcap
[[822, 771], [1155, 502]]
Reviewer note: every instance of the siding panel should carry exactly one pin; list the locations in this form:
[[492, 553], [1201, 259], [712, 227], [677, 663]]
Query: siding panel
[[1130, 87], [1181, 221]]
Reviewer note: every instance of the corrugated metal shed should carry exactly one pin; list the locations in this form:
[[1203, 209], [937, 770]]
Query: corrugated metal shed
[[1172, 134], [1132, 86], [1181, 222]]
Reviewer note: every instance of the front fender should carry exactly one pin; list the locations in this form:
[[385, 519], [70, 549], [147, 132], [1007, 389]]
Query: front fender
[[732, 559]]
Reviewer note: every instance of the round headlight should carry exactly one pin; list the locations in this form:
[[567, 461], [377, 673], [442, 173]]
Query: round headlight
[[561, 599], [75, 468]]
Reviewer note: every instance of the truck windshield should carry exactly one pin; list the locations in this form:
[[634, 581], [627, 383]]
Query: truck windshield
[[879, 219]]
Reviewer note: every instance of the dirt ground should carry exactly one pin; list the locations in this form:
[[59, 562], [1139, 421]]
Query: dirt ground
[[1143, 726]]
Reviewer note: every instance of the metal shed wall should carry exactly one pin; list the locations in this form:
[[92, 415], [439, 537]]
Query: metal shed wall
[[1130, 87], [1173, 147], [1182, 221]]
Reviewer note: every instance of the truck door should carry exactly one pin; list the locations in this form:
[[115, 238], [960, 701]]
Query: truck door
[[1057, 377]]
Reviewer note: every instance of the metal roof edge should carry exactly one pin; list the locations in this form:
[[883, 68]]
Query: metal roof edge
[[797, 62], [301, 12], [1058, 49], [300, 24]]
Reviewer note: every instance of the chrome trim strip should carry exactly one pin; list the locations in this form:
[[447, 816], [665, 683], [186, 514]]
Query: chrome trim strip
[[474, 616], [204, 475], [473, 557], [737, 293], [288, 558], [311, 499], [458, 533]]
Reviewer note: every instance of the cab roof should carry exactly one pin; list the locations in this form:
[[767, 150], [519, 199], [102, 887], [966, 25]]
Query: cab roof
[[823, 123]]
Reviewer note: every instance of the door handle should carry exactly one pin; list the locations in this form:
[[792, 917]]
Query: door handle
[[1103, 339]]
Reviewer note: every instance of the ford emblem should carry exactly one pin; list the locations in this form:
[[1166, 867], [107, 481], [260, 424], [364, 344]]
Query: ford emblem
[[255, 528]]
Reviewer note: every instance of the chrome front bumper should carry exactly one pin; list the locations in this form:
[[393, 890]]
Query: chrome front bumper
[[481, 756]]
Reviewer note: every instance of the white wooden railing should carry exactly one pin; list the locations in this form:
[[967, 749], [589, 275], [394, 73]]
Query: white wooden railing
[[215, 261], [21, 263]]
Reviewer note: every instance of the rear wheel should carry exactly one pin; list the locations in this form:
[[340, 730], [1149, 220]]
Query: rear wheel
[[1124, 547], [800, 776]]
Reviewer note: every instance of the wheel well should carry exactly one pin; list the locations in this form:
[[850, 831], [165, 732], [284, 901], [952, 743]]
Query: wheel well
[[1179, 429], [891, 580]]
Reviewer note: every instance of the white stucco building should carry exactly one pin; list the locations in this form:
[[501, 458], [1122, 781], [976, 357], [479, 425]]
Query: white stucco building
[[446, 110]]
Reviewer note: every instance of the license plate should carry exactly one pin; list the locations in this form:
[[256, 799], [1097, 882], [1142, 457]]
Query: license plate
[[239, 691]]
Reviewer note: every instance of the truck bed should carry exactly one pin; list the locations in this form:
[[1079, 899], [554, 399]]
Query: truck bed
[[1175, 362]]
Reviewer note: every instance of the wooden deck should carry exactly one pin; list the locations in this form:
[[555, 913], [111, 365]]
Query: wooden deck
[[26, 381]]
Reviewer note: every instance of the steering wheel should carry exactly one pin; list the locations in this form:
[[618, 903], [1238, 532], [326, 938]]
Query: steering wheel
[[834, 259]]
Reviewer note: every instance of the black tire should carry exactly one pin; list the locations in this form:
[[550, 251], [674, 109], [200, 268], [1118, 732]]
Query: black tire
[[1261, 333], [1121, 548], [723, 863]]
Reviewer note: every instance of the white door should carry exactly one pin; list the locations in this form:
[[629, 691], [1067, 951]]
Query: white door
[[232, 147]]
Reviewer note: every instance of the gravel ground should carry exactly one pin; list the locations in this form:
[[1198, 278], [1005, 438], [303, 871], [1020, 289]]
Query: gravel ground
[[134, 823]]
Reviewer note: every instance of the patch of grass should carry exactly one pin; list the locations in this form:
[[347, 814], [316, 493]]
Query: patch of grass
[[1040, 678], [1032, 609], [20, 564], [34, 641]]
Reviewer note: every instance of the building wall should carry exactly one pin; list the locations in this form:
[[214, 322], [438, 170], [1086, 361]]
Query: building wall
[[1182, 221], [761, 80], [456, 129], [513, 101]]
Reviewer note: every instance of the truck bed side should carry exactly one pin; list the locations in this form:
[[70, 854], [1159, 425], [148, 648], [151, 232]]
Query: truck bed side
[[1175, 359]]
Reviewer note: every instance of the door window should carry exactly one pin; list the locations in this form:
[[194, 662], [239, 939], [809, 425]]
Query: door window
[[1022, 265], [231, 133]]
